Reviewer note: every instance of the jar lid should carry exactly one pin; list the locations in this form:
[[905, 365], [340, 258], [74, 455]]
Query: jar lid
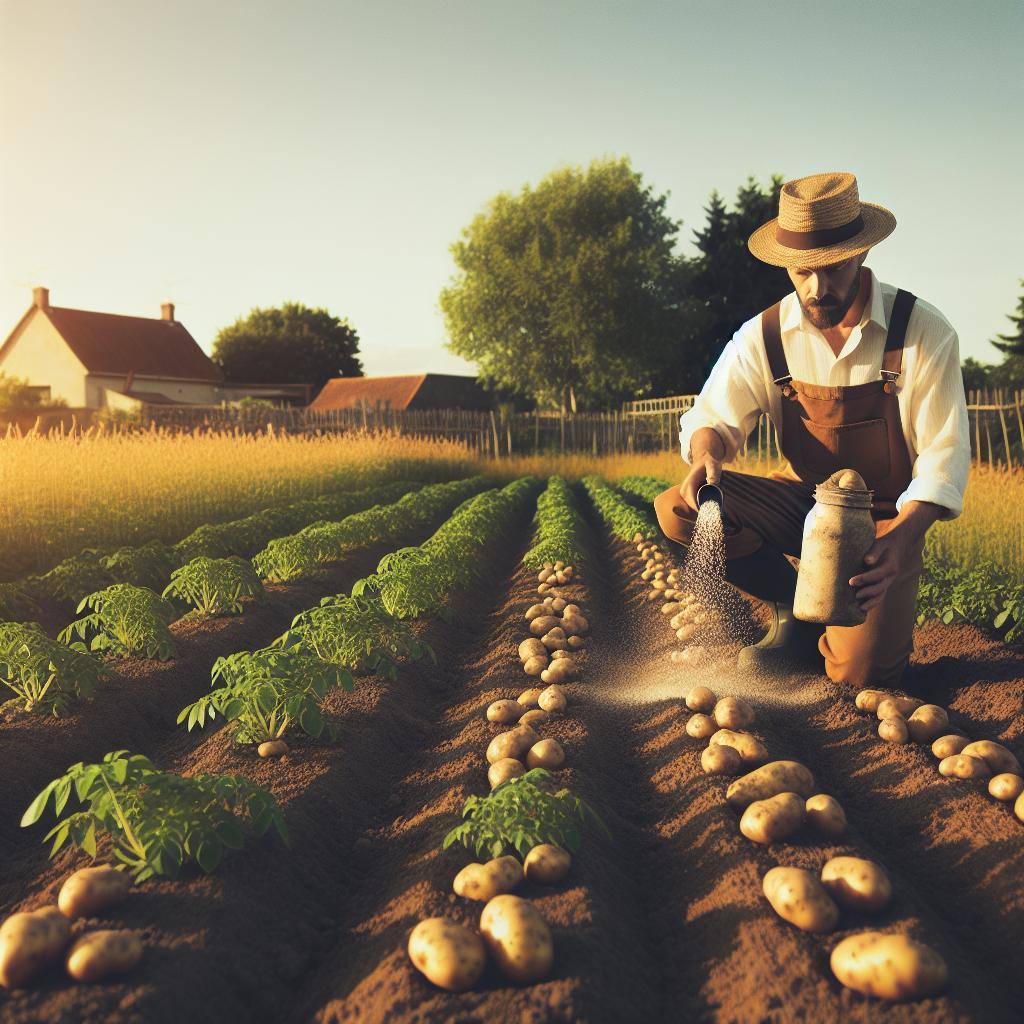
[[845, 488]]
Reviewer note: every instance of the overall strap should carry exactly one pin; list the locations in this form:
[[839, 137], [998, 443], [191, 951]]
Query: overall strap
[[771, 328], [892, 359]]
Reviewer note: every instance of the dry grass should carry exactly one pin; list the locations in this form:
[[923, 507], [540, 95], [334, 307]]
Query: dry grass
[[60, 494]]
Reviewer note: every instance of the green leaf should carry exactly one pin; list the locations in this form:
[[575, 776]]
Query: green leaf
[[34, 811], [209, 855], [311, 720]]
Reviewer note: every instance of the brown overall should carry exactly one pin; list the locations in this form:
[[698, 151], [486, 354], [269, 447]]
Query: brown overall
[[823, 429]]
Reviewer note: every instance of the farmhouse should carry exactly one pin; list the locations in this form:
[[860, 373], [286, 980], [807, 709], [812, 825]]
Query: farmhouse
[[418, 391]]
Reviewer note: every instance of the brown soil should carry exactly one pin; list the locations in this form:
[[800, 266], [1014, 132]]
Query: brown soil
[[665, 921]]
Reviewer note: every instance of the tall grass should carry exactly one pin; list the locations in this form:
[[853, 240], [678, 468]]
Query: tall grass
[[59, 494]]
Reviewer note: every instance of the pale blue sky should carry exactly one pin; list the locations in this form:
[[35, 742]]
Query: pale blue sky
[[224, 155]]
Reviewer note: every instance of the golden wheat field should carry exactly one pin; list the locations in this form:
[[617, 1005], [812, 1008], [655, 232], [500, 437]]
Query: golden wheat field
[[59, 494]]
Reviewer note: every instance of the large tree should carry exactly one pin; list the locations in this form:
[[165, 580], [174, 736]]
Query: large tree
[[727, 287], [569, 292], [293, 344]]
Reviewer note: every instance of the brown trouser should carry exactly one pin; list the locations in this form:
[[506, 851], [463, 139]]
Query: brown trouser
[[764, 519]]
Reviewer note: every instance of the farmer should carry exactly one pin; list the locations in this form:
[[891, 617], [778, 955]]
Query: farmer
[[855, 374]]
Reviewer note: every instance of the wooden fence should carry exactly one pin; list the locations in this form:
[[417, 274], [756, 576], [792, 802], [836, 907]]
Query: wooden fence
[[996, 426]]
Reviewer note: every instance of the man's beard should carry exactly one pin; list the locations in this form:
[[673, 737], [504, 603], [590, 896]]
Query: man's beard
[[833, 312]]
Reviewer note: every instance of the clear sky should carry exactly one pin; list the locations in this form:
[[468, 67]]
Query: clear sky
[[223, 154]]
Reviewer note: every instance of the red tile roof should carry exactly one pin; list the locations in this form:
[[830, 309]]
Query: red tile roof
[[115, 344], [350, 392]]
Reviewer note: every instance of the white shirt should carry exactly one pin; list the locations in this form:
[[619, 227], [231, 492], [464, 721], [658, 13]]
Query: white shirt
[[932, 404]]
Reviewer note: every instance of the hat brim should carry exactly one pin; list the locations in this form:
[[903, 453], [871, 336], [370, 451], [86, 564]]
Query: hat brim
[[878, 224]]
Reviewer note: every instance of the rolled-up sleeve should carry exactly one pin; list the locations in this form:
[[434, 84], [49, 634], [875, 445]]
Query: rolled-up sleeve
[[732, 397], [941, 431]]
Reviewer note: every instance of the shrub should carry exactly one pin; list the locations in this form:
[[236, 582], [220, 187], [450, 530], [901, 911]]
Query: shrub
[[125, 620], [216, 586]]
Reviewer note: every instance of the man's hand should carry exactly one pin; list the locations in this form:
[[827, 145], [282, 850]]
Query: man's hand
[[707, 452], [894, 542]]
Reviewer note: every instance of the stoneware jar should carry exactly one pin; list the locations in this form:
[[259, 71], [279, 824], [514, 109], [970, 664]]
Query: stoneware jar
[[838, 532]]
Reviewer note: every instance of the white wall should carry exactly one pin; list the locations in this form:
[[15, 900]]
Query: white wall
[[193, 392], [38, 353]]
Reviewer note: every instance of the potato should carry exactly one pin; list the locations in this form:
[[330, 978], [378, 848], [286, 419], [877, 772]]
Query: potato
[[733, 713], [669, 607], [995, 755], [700, 727], [946, 746], [99, 955], [29, 942], [718, 759], [963, 766], [558, 604], [659, 584], [825, 815], [857, 884], [517, 938], [272, 748], [927, 723], [751, 750], [559, 655], [1006, 786], [574, 625], [534, 718], [798, 897], [90, 890], [485, 881], [902, 707], [1018, 807], [451, 955], [513, 743], [766, 821], [503, 770], [575, 642], [504, 712], [547, 864], [700, 698], [868, 700], [540, 625], [535, 610], [536, 665], [553, 699], [888, 966], [544, 573], [528, 698], [767, 781], [570, 610], [686, 633], [559, 671], [894, 729], [532, 648], [545, 754], [554, 639]]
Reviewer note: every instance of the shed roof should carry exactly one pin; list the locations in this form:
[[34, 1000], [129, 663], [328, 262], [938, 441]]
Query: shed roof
[[421, 390]]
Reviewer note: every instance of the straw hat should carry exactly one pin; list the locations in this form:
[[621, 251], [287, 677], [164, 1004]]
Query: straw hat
[[821, 221]]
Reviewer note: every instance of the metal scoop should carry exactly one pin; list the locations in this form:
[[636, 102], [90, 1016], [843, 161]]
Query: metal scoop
[[710, 492]]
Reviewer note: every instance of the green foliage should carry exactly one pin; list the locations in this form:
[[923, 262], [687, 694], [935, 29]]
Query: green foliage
[[290, 557], [265, 691], [983, 594], [557, 527], [523, 813], [415, 581], [1012, 344], [18, 396], [646, 488], [156, 820], [569, 292], [147, 565], [623, 519], [125, 620], [43, 674], [19, 601], [77, 576], [292, 344], [216, 586]]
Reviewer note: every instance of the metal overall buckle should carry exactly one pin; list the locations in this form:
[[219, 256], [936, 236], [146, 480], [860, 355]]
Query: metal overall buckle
[[784, 385], [891, 379]]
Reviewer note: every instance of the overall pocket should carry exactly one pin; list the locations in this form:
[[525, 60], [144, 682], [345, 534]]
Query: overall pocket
[[862, 446]]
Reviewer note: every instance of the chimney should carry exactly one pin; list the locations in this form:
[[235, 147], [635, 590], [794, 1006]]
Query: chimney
[[41, 297], [167, 311]]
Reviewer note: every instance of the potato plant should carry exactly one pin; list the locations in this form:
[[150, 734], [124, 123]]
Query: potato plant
[[216, 586], [557, 527], [983, 593], [265, 692], [522, 813], [19, 601], [623, 519], [156, 821], [124, 620], [45, 675]]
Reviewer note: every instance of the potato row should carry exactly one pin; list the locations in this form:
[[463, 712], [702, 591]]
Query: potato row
[[511, 931], [778, 798], [32, 941], [904, 719]]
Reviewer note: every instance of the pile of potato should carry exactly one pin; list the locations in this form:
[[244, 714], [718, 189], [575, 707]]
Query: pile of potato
[[907, 719], [558, 629], [32, 941], [511, 753], [554, 574]]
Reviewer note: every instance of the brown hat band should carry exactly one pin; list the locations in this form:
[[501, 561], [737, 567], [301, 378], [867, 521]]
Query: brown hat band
[[819, 238]]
